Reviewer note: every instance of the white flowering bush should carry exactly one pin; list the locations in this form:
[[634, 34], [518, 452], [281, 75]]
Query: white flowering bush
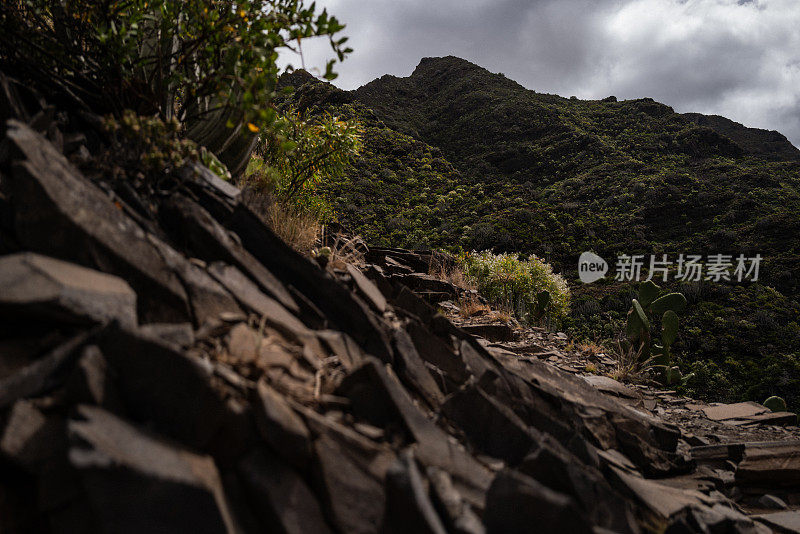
[[514, 284]]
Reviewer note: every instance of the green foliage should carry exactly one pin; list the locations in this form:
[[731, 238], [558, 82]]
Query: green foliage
[[141, 55], [529, 287], [776, 404], [455, 156], [638, 329], [209, 63], [304, 151], [147, 145], [300, 154], [539, 307]]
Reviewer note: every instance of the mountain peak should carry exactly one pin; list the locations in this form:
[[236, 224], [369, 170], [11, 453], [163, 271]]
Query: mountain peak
[[442, 63]]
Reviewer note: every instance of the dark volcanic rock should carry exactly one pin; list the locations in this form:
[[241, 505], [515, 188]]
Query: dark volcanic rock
[[305, 401], [770, 464], [350, 473], [60, 213], [282, 500], [381, 399], [45, 288], [152, 375], [350, 315], [516, 503], [135, 482], [281, 427], [30, 438], [193, 226], [437, 353], [408, 505], [492, 332], [492, 428], [412, 369], [559, 470], [44, 373]]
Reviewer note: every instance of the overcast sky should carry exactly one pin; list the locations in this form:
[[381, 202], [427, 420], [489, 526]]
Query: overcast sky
[[736, 58]]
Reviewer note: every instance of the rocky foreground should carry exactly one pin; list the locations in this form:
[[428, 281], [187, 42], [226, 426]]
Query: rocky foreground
[[167, 364]]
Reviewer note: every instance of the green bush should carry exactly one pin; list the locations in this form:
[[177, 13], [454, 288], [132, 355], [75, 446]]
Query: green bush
[[517, 284], [208, 63], [301, 153]]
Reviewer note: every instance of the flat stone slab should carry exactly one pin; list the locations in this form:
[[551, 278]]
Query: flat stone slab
[[782, 521], [774, 418], [740, 410], [40, 286], [490, 331], [140, 483], [611, 386], [770, 464]]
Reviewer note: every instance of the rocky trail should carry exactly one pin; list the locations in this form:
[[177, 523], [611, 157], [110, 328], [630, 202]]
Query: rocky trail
[[167, 364]]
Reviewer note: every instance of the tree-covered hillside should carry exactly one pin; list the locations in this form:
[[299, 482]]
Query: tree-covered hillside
[[456, 156]]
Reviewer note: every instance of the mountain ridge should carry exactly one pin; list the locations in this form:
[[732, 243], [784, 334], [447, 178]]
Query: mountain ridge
[[456, 157]]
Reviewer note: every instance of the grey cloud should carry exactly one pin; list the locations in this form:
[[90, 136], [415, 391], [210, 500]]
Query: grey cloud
[[728, 57]]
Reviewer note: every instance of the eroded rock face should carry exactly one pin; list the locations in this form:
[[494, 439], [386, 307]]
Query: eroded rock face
[[213, 380]]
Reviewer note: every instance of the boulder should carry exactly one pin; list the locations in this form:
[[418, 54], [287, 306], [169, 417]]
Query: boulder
[[180, 335], [491, 331], [91, 383], [408, 505], [350, 315], [369, 290], [612, 387], [253, 299], [163, 387], [558, 469], [457, 515], [44, 373], [740, 410], [770, 464], [412, 369], [196, 230], [60, 213], [349, 474], [491, 427], [281, 427], [30, 438], [379, 398], [782, 521], [426, 283], [283, 502], [438, 353], [39, 287], [136, 482], [518, 504]]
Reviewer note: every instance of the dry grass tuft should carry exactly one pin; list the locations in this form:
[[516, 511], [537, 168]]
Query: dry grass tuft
[[449, 271], [470, 306], [629, 368], [590, 349], [298, 229], [346, 249]]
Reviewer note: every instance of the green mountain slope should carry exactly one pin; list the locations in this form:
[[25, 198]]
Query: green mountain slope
[[456, 156]]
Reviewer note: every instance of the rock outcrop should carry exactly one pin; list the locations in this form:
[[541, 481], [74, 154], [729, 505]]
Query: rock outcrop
[[188, 371]]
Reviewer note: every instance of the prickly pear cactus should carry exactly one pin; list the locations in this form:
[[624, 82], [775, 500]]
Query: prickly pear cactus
[[648, 292], [671, 301], [776, 404]]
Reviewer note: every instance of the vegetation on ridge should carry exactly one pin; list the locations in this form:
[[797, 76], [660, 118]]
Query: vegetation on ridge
[[459, 158]]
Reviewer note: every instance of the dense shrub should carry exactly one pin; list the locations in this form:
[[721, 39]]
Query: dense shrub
[[299, 154], [513, 283], [208, 63]]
